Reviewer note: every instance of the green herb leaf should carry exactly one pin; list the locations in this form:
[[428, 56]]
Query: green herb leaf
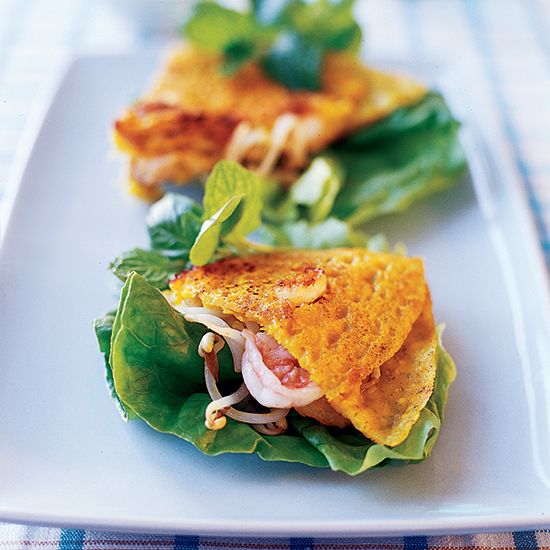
[[208, 239], [173, 224], [327, 23], [346, 39], [289, 37], [214, 27], [227, 180], [295, 62], [154, 266]]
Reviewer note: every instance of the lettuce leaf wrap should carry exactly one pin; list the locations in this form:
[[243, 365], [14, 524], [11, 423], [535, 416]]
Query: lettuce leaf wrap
[[157, 374], [405, 157]]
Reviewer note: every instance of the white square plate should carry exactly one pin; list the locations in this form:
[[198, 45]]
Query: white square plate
[[68, 459]]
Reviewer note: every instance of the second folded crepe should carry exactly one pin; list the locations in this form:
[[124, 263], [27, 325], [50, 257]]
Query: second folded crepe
[[194, 116]]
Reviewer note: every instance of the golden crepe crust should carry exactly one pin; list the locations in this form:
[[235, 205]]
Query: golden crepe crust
[[193, 109], [387, 410], [192, 79], [155, 128], [361, 320]]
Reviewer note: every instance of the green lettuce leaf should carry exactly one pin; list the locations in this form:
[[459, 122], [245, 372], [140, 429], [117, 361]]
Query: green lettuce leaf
[[390, 170], [278, 205], [103, 327], [153, 266], [330, 233], [381, 169], [173, 224], [158, 374], [430, 112], [158, 347], [311, 197], [316, 189]]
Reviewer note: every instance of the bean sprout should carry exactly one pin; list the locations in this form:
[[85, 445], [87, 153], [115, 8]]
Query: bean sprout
[[213, 419], [220, 407], [209, 318]]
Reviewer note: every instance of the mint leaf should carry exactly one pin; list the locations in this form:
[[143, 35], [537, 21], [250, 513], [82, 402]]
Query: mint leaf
[[288, 37], [227, 180], [295, 62], [153, 266], [173, 224], [210, 234], [328, 23], [214, 27]]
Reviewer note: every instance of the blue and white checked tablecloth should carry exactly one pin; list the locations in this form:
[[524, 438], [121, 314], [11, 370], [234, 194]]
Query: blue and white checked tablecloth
[[500, 49]]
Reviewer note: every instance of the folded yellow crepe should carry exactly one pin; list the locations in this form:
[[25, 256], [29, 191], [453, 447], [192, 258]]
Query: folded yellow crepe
[[360, 323], [195, 116]]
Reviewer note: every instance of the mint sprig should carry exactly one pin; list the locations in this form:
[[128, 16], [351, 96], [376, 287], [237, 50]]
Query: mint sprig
[[289, 38]]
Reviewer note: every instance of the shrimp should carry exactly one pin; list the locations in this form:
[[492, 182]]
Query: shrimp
[[273, 376]]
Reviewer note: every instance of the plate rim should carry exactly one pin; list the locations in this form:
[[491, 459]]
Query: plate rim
[[36, 119], [459, 526]]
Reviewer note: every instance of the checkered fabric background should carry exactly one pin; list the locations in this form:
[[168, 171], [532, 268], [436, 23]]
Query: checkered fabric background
[[500, 51]]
